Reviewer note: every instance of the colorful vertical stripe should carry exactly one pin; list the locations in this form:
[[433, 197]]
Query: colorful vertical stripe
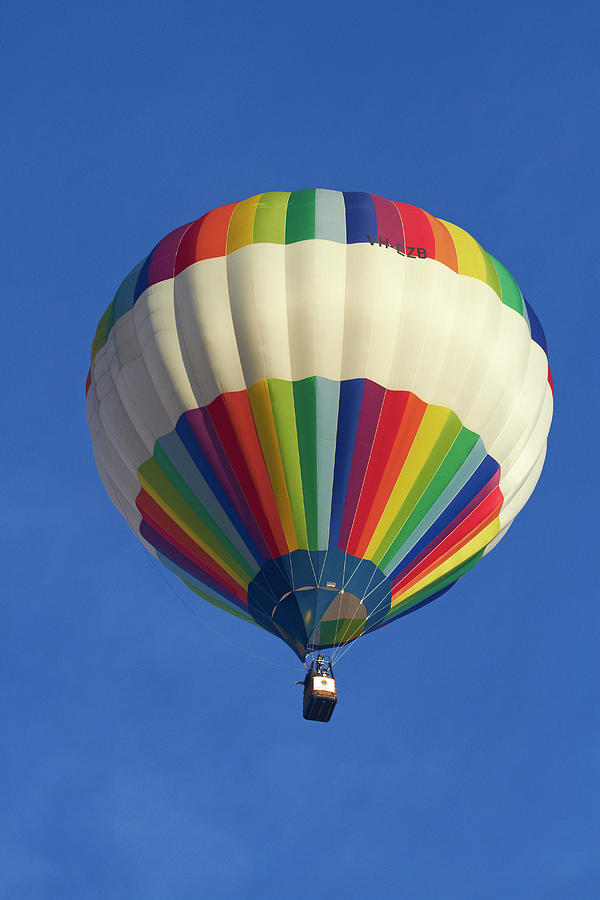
[[409, 490], [281, 217], [319, 408]]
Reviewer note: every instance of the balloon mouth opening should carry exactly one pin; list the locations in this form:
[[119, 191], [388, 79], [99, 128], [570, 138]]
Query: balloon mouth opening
[[318, 600]]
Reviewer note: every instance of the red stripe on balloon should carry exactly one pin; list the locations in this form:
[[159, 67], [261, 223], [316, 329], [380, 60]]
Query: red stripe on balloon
[[389, 223], [210, 239], [485, 491], [371, 404], [186, 251], [212, 450], [162, 262], [231, 415], [400, 418], [161, 521], [482, 516], [417, 228]]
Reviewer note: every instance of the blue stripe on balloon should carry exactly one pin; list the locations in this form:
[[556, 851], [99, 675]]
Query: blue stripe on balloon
[[142, 281], [200, 585], [443, 502], [191, 445], [351, 393], [327, 399], [411, 609], [186, 468], [361, 219], [125, 296], [164, 547], [537, 332], [478, 480]]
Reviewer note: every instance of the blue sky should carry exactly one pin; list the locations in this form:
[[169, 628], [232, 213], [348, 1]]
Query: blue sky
[[144, 754]]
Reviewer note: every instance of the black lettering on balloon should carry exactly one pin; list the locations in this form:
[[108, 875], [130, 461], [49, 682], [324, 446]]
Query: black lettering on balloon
[[410, 252]]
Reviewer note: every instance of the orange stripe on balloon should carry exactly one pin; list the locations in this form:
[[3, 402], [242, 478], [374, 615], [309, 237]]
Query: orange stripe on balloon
[[212, 240], [445, 251], [206, 238]]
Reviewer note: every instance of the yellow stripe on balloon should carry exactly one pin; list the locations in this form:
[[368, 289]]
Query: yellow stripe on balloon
[[241, 226], [281, 396], [223, 560], [262, 412], [472, 258], [429, 431], [481, 540]]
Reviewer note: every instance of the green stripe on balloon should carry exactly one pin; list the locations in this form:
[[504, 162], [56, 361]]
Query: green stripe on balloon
[[305, 403], [281, 394], [173, 492], [339, 631], [269, 221], [104, 326], [230, 609], [414, 531], [511, 295], [433, 587], [449, 466], [300, 220], [491, 275], [327, 394], [446, 438]]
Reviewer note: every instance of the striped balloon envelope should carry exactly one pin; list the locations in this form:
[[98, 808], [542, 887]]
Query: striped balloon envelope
[[319, 409]]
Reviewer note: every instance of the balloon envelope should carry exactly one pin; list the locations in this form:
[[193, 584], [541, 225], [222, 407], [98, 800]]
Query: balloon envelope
[[319, 409]]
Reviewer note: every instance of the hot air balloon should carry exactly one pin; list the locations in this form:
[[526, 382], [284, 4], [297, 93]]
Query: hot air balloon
[[319, 409]]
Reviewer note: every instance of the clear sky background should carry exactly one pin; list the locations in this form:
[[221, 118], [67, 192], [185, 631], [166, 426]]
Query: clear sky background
[[143, 756]]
